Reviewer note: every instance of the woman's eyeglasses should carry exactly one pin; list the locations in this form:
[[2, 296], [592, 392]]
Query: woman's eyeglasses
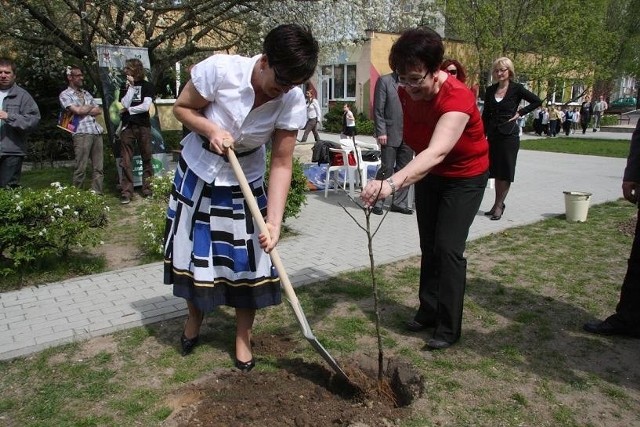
[[453, 72], [416, 82], [280, 81]]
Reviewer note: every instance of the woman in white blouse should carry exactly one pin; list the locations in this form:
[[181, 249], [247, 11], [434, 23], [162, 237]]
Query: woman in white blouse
[[214, 255]]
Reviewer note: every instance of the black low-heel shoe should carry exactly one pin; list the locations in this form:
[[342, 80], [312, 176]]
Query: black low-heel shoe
[[188, 344], [245, 366], [495, 217]]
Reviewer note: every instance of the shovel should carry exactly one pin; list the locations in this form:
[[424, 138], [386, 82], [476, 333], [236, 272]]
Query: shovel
[[277, 262]]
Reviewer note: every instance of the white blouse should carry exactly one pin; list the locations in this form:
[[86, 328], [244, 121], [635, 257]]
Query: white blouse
[[225, 80]]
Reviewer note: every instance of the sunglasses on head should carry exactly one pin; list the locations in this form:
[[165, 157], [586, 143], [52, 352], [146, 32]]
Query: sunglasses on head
[[452, 72]]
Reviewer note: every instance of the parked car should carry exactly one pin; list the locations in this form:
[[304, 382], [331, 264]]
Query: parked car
[[622, 105]]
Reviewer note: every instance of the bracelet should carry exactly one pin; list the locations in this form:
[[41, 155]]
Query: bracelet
[[392, 185]]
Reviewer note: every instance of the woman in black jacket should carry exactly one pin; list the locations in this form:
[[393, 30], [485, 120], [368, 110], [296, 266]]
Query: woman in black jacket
[[500, 116]]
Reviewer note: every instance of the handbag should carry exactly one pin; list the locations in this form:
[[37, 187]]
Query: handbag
[[68, 121]]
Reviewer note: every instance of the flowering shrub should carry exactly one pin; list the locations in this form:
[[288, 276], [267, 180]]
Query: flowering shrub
[[40, 223], [154, 214]]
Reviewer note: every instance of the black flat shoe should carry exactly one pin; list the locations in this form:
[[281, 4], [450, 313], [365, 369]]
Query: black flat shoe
[[188, 344], [434, 344], [376, 210], [415, 326], [245, 366], [404, 211]]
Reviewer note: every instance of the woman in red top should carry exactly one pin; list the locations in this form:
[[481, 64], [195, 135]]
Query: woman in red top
[[443, 126]]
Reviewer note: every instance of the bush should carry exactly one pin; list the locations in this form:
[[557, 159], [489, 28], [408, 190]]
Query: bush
[[41, 223], [297, 196], [154, 214], [332, 121], [151, 239]]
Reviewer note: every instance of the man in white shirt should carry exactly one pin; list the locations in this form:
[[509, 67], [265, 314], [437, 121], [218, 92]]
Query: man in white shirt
[[598, 110]]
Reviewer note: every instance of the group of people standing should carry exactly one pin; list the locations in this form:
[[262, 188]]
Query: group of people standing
[[19, 115], [551, 121]]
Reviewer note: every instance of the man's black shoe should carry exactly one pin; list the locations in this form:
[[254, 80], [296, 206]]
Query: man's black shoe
[[377, 210], [398, 209], [435, 344], [606, 327], [415, 326]]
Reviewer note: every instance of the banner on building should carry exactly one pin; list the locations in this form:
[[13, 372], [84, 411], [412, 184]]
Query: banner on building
[[111, 61]]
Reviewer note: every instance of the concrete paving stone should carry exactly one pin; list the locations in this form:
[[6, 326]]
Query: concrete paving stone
[[13, 345], [78, 324], [114, 310], [56, 338], [40, 330], [89, 297], [158, 312]]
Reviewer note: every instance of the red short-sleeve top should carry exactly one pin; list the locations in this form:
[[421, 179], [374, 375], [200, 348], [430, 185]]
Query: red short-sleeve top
[[469, 157]]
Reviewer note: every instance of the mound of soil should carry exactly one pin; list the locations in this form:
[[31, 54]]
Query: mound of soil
[[299, 394]]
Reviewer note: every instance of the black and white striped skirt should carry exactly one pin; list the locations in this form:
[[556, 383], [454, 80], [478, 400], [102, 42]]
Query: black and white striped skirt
[[212, 255]]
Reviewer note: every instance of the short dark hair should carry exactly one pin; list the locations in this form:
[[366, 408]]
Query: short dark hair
[[419, 47], [293, 50], [136, 67], [7, 62]]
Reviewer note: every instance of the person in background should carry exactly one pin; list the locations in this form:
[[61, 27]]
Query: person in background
[[395, 153], [598, 111], [314, 114], [554, 121], [19, 115], [585, 114], [87, 137], [136, 127], [442, 124], [567, 124], [348, 121], [544, 121], [537, 121], [500, 114], [626, 320], [455, 69], [576, 120], [214, 254]]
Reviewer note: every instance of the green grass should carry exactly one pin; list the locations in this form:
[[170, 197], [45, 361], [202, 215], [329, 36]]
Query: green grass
[[591, 147]]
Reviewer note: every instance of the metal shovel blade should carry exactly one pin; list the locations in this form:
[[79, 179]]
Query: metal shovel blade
[[277, 262]]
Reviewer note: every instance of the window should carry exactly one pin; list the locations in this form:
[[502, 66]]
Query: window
[[577, 90], [342, 81]]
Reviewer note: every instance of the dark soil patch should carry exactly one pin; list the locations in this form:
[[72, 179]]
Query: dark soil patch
[[628, 227], [299, 394]]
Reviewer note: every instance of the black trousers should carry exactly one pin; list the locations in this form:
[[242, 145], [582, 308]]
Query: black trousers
[[10, 171], [392, 159], [628, 308], [445, 208]]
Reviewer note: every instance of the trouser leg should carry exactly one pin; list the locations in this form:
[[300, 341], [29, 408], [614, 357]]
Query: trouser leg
[[97, 162], [628, 308], [445, 209], [10, 171], [127, 139], [81, 147], [146, 152]]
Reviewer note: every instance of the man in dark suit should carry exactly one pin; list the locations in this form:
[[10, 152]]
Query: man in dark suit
[[626, 320], [395, 154]]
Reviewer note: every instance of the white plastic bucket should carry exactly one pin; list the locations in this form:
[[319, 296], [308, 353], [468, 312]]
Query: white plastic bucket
[[576, 205]]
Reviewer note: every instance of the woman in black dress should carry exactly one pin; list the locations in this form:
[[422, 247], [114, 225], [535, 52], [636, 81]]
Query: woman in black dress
[[500, 116]]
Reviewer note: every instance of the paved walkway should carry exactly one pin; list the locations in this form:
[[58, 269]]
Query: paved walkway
[[328, 242]]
